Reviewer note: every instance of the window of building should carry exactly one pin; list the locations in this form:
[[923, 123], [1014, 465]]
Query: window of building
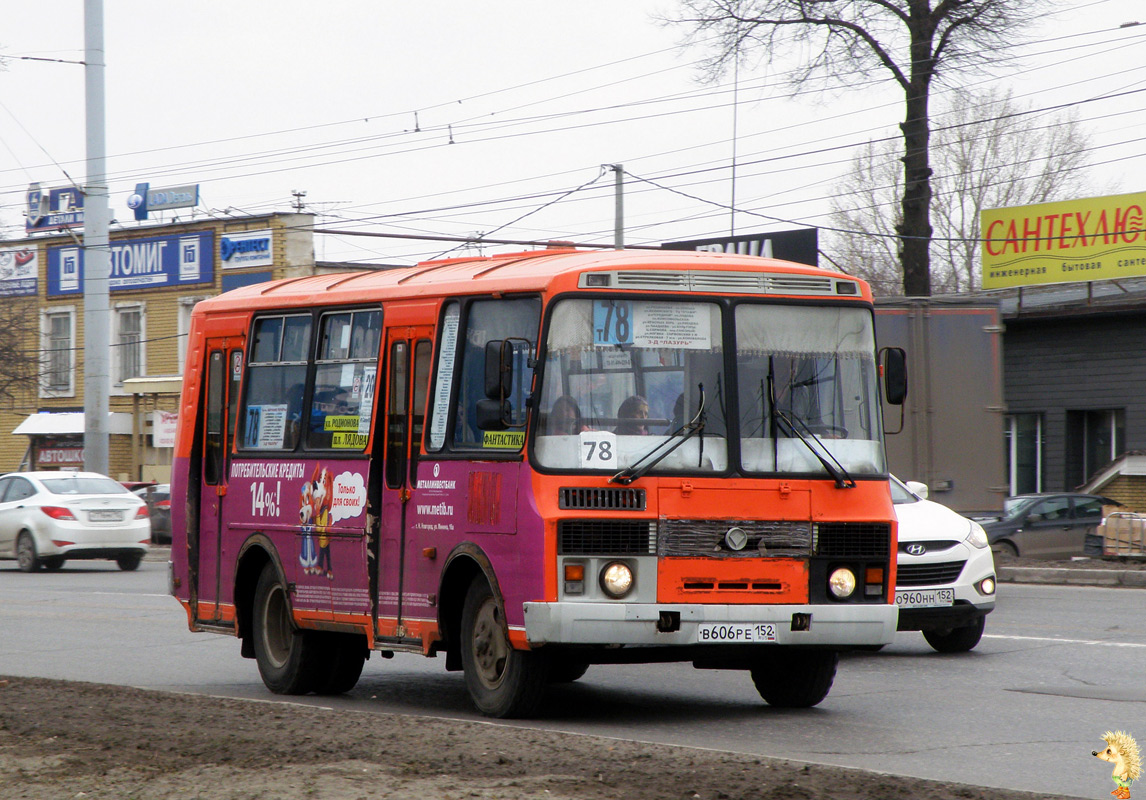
[[128, 353], [1093, 440], [58, 342], [1024, 436]]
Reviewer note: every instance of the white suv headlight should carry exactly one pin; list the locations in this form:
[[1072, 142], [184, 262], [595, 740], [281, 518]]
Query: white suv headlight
[[977, 537]]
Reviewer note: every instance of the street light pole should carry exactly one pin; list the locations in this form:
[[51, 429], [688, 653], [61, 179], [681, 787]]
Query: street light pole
[[97, 252]]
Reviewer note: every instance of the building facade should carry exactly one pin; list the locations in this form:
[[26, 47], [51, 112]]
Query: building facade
[[158, 274]]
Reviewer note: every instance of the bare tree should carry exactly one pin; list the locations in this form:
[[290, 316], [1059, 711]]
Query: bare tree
[[915, 42], [22, 365], [989, 152]]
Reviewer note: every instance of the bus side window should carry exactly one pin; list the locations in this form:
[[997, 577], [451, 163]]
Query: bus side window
[[214, 453], [486, 321], [422, 354], [272, 408], [344, 378]]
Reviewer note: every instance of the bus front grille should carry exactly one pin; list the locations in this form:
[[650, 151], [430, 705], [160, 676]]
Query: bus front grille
[[708, 538], [852, 539], [606, 537]]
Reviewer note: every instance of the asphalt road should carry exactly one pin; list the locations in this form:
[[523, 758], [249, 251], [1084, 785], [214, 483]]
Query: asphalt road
[[1058, 666]]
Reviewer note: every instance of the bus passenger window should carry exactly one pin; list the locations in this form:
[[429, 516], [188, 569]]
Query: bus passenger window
[[272, 409], [490, 320], [344, 380]]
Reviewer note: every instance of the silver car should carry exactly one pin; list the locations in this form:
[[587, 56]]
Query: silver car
[[47, 518]]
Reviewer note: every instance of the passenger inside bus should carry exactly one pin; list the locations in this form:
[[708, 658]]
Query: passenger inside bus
[[632, 417], [565, 418]]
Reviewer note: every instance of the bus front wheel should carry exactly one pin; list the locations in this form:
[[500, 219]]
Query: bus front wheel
[[795, 678], [288, 659], [503, 682]]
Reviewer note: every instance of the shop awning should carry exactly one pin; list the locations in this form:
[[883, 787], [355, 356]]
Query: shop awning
[[59, 423]]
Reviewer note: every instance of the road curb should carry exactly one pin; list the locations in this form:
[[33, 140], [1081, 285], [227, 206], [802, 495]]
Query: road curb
[[1063, 576]]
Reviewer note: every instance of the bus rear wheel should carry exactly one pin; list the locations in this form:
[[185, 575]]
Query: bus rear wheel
[[288, 659], [503, 682], [795, 678], [344, 655]]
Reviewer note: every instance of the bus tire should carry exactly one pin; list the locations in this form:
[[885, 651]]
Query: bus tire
[[288, 658], [345, 655], [503, 682], [564, 671], [795, 678]]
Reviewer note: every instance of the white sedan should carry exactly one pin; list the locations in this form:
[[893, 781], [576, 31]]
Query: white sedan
[[47, 518], [945, 574]]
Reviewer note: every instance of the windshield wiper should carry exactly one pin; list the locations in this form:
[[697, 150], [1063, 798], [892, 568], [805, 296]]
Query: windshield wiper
[[666, 448], [831, 464], [835, 468]]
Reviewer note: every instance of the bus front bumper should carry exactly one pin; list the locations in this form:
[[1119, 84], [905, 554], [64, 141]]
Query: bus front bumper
[[682, 625]]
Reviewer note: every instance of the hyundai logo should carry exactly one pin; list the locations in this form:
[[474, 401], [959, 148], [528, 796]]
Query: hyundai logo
[[916, 549]]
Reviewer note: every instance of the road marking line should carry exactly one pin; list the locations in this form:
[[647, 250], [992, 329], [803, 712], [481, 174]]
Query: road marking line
[[1064, 641]]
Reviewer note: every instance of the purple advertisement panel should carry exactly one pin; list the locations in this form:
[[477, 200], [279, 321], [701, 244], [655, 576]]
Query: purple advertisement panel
[[315, 512]]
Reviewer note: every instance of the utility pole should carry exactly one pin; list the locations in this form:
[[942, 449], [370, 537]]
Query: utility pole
[[619, 212], [96, 250]]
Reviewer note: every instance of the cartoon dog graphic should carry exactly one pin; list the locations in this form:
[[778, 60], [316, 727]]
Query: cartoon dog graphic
[[322, 493], [1122, 751], [308, 555]]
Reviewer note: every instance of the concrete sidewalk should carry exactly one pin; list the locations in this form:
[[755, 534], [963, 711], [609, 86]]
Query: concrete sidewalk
[[1110, 575]]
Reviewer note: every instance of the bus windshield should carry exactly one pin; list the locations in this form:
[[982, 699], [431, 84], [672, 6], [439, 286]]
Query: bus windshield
[[623, 376], [635, 384], [808, 391]]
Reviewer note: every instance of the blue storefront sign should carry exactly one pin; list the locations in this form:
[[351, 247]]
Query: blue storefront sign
[[158, 262], [144, 199], [53, 209]]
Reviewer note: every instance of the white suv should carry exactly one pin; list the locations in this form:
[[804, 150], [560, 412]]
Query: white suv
[[945, 574]]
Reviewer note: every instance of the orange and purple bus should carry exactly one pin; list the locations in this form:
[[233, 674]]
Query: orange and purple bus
[[538, 462]]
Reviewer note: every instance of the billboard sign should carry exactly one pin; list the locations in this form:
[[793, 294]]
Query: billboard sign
[[1093, 239], [145, 199], [157, 262], [19, 271], [801, 246], [53, 209], [247, 249]]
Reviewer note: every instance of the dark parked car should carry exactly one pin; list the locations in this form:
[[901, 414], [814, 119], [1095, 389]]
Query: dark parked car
[[158, 499], [1048, 525]]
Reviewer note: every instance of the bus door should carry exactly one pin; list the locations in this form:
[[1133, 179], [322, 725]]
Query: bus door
[[408, 359], [223, 376]]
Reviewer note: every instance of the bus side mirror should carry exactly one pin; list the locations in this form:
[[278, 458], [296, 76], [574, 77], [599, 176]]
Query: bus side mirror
[[893, 364], [498, 374]]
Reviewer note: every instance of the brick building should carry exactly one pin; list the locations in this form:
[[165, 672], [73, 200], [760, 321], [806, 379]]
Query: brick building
[[158, 273]]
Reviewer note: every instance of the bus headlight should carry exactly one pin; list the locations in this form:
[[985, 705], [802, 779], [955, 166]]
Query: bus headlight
[[617, 579], [842, 583]]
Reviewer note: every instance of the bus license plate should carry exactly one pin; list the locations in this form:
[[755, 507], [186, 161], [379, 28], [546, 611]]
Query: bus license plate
[[105, 516], [926, 598], [733, 632]]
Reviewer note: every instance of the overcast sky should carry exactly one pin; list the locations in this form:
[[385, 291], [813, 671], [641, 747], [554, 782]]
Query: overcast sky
[[453, 118]]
